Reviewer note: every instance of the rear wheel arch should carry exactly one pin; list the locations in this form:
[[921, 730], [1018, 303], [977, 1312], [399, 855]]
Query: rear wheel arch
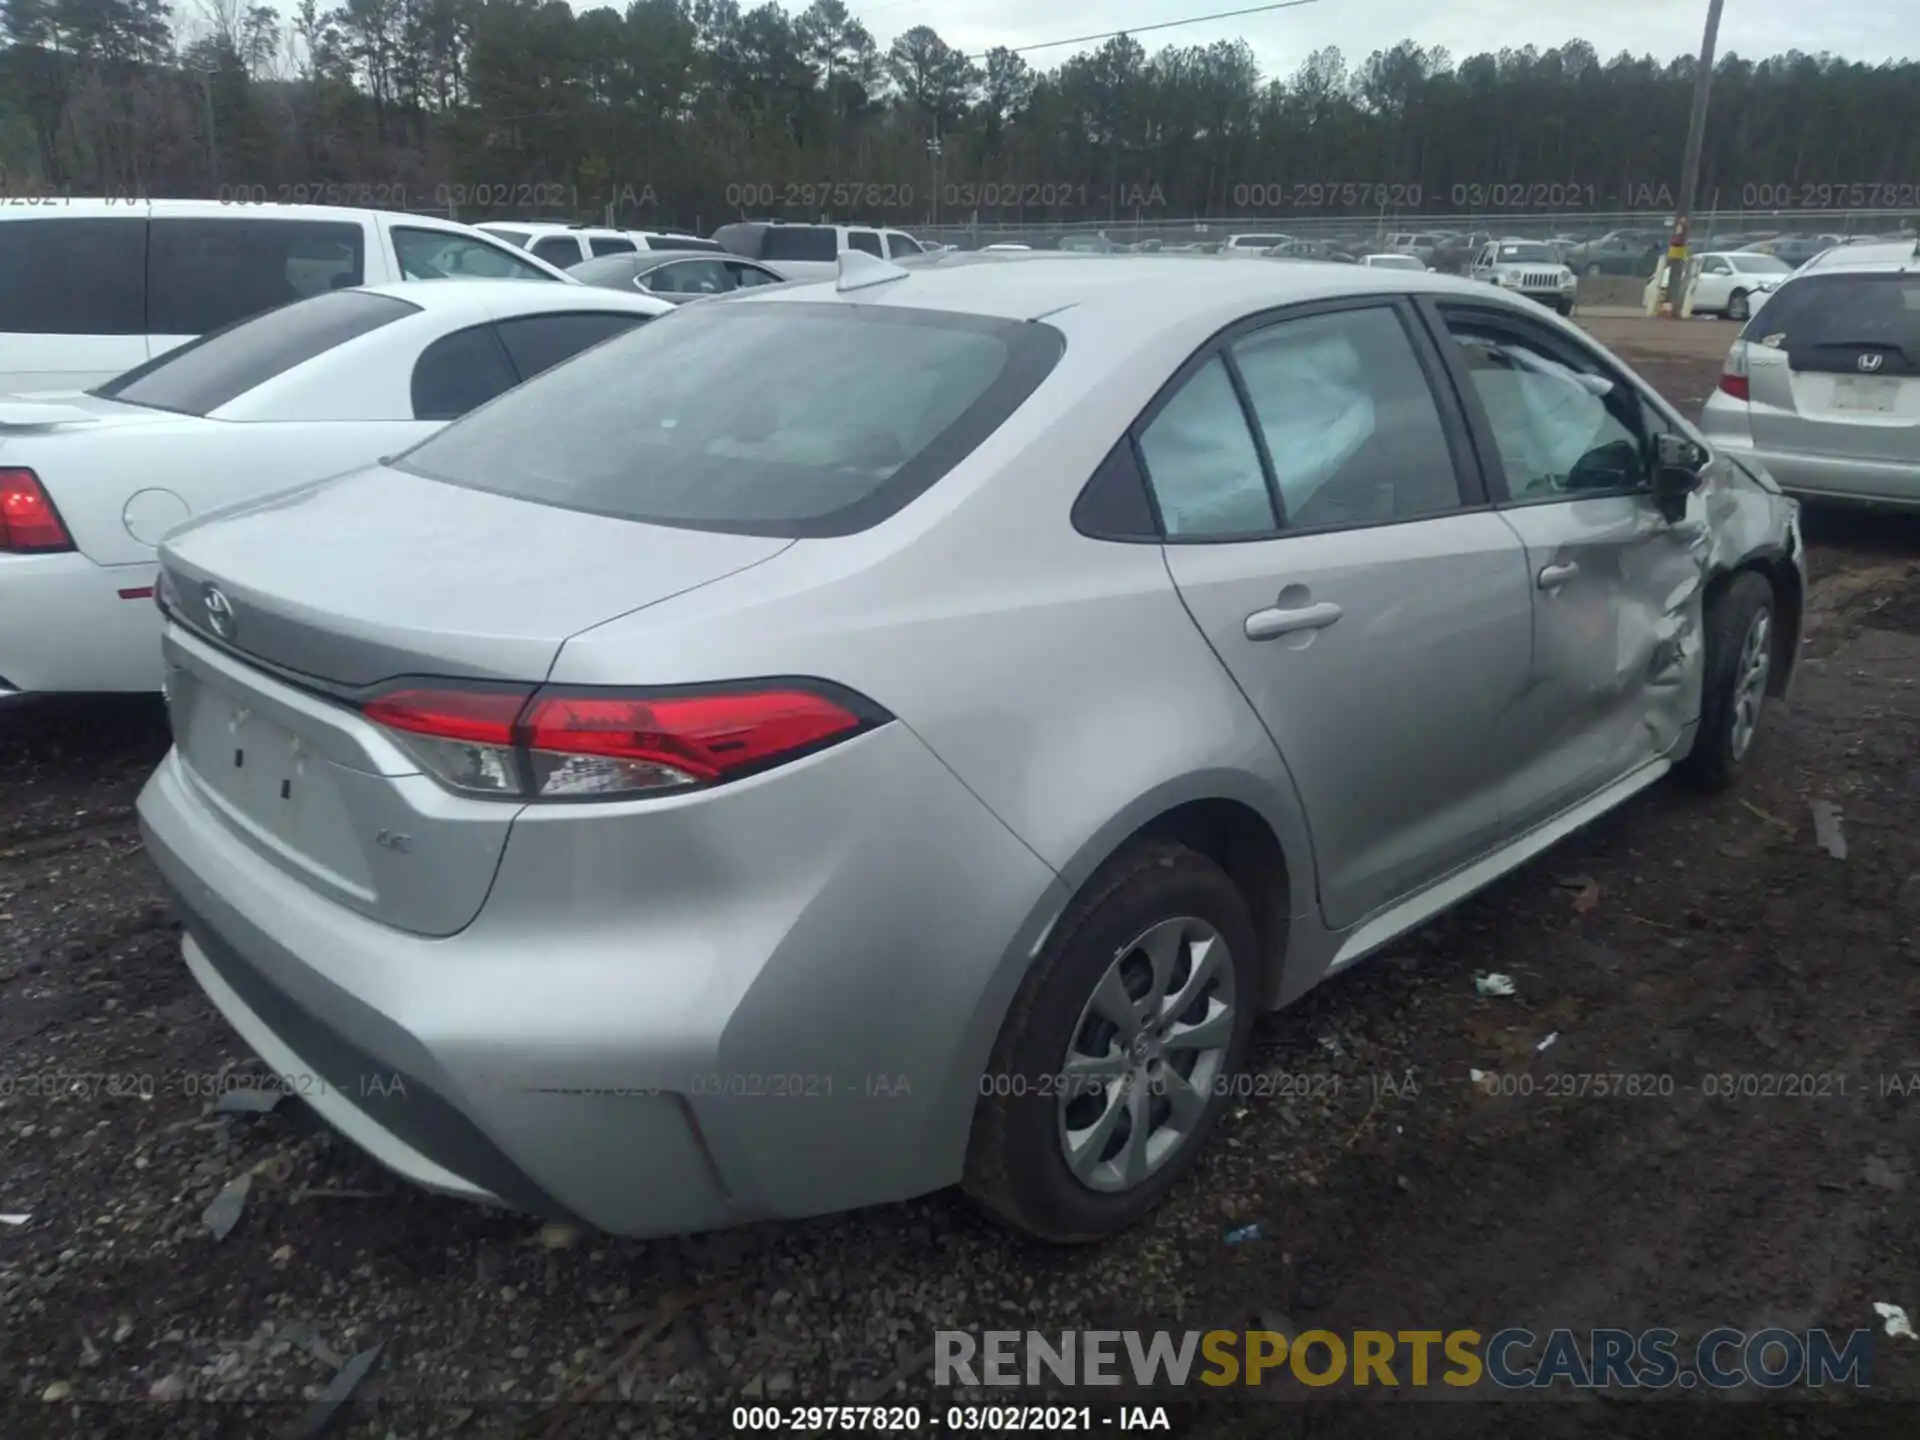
[[1239, 839], [1262, 854]]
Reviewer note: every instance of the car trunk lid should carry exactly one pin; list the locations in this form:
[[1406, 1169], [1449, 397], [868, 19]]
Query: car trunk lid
[[325, 594], [382, 573]]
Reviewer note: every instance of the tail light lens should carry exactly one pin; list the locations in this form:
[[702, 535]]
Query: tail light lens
[[28, 522], [515, 744], [1733, 375]]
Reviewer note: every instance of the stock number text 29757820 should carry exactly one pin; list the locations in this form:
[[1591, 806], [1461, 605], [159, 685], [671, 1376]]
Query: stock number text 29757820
[[1303, 196]]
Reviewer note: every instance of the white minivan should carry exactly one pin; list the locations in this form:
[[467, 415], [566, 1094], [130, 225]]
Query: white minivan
[[91, 288]]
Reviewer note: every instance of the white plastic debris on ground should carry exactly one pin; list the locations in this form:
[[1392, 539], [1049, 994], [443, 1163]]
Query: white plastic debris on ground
[[1493, 984], [1896, 1320], [1826, 829]]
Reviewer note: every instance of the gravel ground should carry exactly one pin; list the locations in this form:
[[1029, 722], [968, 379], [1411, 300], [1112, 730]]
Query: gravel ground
[[1679, 937]]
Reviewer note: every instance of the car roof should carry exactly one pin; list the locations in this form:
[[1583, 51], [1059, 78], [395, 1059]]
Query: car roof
[[1129, 289], [546, 227], [503, 299], [85, 208], [1890, 256]]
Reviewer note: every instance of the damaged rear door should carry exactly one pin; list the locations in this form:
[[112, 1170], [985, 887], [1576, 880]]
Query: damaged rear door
[[1614, 675]]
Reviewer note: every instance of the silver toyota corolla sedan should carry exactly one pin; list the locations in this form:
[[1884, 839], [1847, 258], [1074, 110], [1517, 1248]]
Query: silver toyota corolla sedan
[[842, 741]]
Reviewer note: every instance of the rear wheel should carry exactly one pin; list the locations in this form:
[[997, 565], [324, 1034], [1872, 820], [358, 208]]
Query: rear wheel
[[1114, 1062], [1596, 269], [1739, 662], [1737, 305]]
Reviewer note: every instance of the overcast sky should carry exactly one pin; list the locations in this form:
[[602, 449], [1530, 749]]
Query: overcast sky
[[1868, 30]]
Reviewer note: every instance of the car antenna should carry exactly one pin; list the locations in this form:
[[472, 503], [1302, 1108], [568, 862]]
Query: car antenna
[[859, 270]]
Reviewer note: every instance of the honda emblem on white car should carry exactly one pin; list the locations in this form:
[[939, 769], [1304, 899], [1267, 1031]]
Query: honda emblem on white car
[[219, 612], [1871, 363]]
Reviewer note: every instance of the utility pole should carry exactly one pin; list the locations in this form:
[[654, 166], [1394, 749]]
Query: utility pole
[[1690, 165], [933, 160]]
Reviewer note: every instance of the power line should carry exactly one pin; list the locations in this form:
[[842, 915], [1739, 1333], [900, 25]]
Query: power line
[[1162, 25]]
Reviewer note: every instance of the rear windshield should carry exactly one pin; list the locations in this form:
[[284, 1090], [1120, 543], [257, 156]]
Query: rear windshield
[[799, 242], [1759, 265], [756, 419], [1826, 322], [512, 237], [199, 377], [683, 242]]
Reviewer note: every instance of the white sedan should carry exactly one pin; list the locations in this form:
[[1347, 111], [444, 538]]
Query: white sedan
[[1733, 282], [91, 481]]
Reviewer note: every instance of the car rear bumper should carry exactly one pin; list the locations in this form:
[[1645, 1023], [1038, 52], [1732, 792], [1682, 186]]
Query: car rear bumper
[[1833, 478], [72, 625], [666, 1018]]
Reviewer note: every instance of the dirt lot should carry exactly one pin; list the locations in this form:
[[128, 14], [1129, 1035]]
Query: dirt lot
[[1713, 943]]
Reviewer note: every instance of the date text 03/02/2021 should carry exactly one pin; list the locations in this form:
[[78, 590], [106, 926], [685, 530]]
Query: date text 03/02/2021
[[951, 1422]]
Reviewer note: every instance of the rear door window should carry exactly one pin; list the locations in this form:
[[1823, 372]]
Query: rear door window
[[760, 419], [1351, 426], [690, 277], [204, 274], [745, 275], [611, 245], [461, 372], [865, 241], [798, 242], [1844, 324], [539, 342], [440, 255], [1203, 465], [561, 250], [202, 375], [73, 277]]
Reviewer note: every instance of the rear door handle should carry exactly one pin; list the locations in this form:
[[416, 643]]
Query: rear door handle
[[1272, 624], [1554, 576]]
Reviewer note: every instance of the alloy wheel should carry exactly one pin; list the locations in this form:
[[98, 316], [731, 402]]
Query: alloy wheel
[[1750, 689], [1147, 1054]]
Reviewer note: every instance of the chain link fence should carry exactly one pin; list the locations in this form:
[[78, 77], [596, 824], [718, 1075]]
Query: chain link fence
[[1371, 232]]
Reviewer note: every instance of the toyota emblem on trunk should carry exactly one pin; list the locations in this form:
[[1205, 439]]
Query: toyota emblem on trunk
[[219, 612], [1870, 362]]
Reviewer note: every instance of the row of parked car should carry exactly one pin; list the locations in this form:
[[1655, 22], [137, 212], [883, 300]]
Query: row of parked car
[[609, 778]]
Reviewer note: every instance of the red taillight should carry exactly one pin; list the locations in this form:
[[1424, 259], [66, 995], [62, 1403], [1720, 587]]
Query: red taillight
[[28, 521], [586, 745], [706, 736], [483, 718], [1734, 385]]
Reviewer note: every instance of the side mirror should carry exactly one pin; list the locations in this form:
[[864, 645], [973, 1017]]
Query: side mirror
[[1678, 462], [1677, 452]]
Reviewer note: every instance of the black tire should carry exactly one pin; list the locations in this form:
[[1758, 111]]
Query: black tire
[[1595, 269], [1015, 1169], [1565, 307], [1737, 306], [1716, 759]]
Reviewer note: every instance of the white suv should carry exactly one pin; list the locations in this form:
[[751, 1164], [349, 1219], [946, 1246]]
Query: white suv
[[567, 245], [1247, 247], [91, 288], [1527, 267], [812, 252]]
